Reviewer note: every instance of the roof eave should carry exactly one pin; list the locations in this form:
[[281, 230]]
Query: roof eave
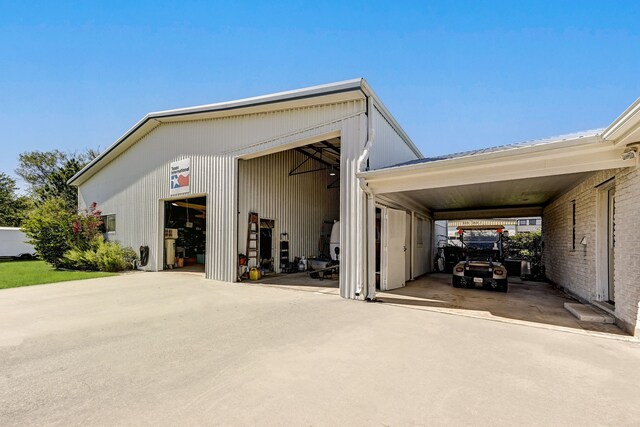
[[624, 125], [155, 117], [481, 157]]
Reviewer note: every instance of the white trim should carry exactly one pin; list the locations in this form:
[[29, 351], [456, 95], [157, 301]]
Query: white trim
[[627, 123], [527, 162]]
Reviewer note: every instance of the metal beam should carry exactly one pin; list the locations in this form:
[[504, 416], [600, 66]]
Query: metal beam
[[335, 149], [499, 212], [314, 157], [335, 183]]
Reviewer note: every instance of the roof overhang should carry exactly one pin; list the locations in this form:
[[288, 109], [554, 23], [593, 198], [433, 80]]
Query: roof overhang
[[626, 128], [344, 91], [514, 182]]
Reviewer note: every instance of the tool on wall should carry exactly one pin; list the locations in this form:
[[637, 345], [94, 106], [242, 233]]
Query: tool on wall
[[253, 243]]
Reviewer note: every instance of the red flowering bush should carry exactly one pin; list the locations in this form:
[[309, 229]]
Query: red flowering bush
[[86, 227]]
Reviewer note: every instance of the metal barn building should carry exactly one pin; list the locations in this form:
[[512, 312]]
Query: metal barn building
[[291, 164], [290, 157]]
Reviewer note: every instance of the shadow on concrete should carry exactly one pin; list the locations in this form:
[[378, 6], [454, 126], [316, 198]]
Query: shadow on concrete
[[195, 268], [536, 302], [301, 282]]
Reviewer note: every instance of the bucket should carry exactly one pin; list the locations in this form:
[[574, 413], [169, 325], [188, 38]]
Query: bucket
[[254, 274]]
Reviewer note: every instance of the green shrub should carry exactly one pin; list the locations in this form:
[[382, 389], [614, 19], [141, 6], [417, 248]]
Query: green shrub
[[529, 247], [101, 255], [74, 240], [49, 228]]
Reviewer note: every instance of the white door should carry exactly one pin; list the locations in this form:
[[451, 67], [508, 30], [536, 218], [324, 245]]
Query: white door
[[394, 234], [407, 250]]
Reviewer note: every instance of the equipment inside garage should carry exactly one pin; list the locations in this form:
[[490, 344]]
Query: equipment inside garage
[[185, 232], [290, 201]]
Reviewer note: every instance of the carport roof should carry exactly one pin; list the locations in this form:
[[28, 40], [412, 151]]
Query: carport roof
[[507, 181], [522, 144]]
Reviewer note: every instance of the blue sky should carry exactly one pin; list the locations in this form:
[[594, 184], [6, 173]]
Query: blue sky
[[457, 75]]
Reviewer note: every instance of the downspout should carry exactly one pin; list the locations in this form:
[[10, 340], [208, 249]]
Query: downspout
[[364, 244]]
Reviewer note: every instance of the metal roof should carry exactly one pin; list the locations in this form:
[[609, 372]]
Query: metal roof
[[151, 120], [523, 144]]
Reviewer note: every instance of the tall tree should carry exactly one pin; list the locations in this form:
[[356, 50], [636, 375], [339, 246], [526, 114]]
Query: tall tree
[[13, 207], [47, 173]]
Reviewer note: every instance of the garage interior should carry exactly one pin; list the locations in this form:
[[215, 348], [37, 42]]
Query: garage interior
[[288, 204], [185, 234]]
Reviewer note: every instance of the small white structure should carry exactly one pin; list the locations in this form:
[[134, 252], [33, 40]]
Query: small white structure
[[13, 244]]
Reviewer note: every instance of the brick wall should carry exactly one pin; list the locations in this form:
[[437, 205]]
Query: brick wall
[[575, 269], [627, 255]]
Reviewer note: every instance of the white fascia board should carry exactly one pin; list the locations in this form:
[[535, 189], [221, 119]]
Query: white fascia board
[[626, 124], [387, 115], [344, 86], [491, 156], [520, 163], [137, 131]]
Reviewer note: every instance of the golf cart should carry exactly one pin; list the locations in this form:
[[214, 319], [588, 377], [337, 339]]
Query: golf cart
[[483, 254]]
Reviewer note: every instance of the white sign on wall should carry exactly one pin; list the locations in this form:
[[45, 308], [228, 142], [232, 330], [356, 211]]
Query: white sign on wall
[[180, 177]]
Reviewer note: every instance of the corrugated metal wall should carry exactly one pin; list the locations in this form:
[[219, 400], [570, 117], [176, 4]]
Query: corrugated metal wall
[[299, 204], [352, 208], [389, 147], [133, 185]]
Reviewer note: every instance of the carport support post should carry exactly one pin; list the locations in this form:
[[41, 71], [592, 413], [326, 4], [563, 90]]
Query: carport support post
[[371, 247]]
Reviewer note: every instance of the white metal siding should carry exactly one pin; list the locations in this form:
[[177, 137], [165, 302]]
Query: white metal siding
[[133, 185], [352, 212], [389, 148], [299, 204]]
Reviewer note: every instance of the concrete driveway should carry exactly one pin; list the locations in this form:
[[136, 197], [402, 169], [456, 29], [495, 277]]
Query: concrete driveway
[[155, 348], [527, 302]]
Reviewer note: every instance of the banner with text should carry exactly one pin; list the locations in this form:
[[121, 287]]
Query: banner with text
[[180, 176]]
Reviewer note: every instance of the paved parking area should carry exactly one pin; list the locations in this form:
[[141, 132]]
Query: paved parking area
[[528, 302], [160, 349]]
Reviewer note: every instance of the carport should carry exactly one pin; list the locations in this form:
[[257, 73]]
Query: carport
[[519, 180]]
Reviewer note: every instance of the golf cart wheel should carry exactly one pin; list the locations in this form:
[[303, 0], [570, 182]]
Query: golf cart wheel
[[456, 282], [503, 286]]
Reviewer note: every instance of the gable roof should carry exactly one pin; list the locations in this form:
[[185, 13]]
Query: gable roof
[[332, 92]]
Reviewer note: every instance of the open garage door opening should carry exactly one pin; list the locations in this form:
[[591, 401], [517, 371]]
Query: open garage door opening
[[288, 216], [185, 234]]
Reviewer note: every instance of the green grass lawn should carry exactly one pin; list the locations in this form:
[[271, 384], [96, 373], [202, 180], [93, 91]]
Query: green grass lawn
[[26, 273]]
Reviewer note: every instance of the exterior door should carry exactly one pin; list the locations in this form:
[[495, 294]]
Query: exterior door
[[408, 247], [611, 242], [394, 236]]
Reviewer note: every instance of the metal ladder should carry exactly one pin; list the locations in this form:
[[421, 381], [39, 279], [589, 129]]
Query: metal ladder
[[253, 240]]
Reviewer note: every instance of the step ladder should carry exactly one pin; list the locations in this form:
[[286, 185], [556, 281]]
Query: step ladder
[[253, 240], [284, 251]]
